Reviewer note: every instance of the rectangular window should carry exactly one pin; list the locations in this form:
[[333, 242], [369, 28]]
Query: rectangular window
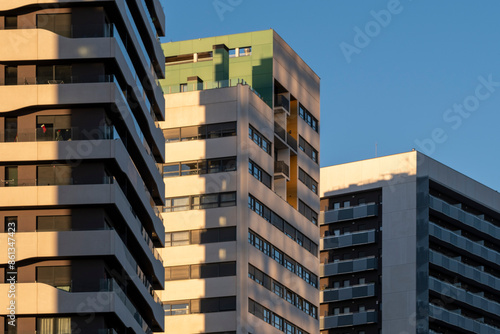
[[58, 277], [11, 129], [196, 237], [208, 131], [53, 74], [10, 75], [308, 118], [307, 212], [259, 139], [53, 223], [53, 325], [11, 174], [259, 174], [308, 149], [57, 23], [10, 22], [246, 51], [53, 128], [54, 175], [10, 225], [308, 181]]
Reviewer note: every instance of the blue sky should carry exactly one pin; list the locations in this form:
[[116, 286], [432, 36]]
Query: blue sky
[[427, 77]]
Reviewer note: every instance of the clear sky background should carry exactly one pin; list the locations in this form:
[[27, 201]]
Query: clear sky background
[[395, 86]]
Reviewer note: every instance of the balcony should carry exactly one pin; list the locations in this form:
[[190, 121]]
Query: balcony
[[206, 85], [281, 170], [281, 104], [460, 321], [348, 266], [342, 214], [347, 240], [40, 298], [352, 292], [286, 140], [51, 134], [349, 319]]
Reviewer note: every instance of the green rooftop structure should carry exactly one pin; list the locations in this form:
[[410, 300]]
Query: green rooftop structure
[[222, 61]]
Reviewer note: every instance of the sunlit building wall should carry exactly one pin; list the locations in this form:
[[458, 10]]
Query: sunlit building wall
[[408, 245], [80, 153], [241, 186]]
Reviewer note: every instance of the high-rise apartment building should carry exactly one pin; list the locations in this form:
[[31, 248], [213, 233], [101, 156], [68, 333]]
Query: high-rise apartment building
[[79, 157], [241, 180], [408, 245]]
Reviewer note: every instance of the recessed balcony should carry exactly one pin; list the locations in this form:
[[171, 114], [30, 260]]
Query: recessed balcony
[[281, 104], [281, 170]]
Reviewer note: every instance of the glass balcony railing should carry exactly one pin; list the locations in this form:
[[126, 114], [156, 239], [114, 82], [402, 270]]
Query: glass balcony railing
[[461, 321], [346, 293], [348, 266], [349, 319], [464, 217], [51, 134], [51, 181], [355, 212], [454, 292], [465, 244], [347, 240], [461, 269], [191, 87]]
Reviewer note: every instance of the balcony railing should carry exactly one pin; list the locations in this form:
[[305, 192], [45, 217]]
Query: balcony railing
[[53, 181], [286, 137], [191, 87], [280, 167], [62, 134], [280, 101]]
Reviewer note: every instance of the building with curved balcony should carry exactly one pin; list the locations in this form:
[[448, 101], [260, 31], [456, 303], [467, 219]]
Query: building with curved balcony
[[408, 245], [81, 189], [242, 164]]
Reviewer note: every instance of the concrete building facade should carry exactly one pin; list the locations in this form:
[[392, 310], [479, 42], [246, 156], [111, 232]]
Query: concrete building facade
[[242, 201], [80, 152], [408, 245]]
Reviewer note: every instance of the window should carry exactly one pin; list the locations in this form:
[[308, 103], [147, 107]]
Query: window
[[176, 308], [198, 132], [205, 305], [10, 22], [308, 181], [50, 128], [205, 236], [53, 74], [10, 224], [361, 280], [336, 205], [183, 87], [272, 318], [196, 271], [10, 129], [54, 175], [59, 277], [259, 139], [53, 223], [10, 75], [305, 147], [57, 23], [277, 255], [361, 308], [11, 179], [263, 211], [232, 53], [199, 167], [196, 202], [307, 212], [259, 174], [246, 51], [53, 325], [308, 118], [346, 283]]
